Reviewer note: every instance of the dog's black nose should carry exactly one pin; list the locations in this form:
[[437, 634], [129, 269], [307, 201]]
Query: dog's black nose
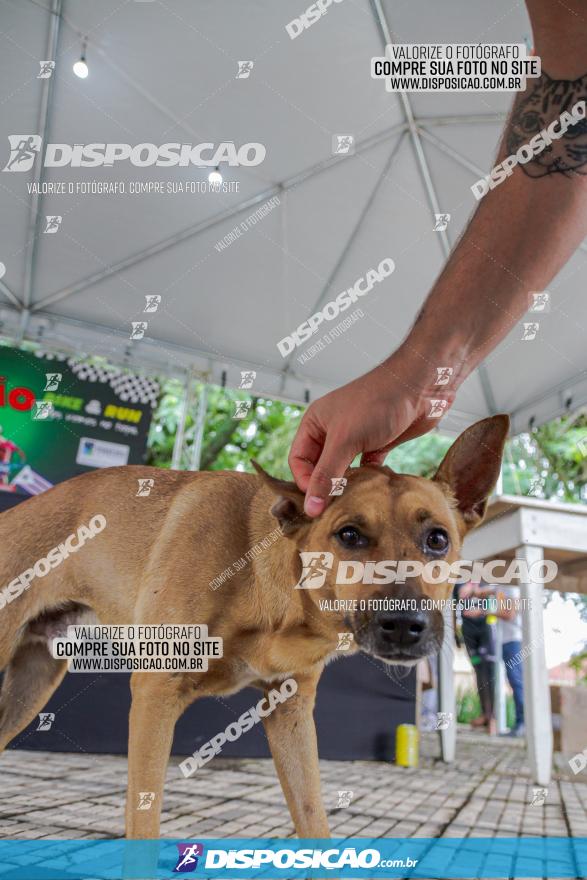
[[401, 627]]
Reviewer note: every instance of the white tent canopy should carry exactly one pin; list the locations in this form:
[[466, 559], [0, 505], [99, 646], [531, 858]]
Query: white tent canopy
[[166, 71]]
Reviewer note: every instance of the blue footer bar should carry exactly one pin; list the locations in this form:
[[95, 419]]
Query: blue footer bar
[[359, 857]]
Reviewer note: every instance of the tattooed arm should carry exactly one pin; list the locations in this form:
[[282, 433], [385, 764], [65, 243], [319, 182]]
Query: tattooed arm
[[550, 119], [522, 233]]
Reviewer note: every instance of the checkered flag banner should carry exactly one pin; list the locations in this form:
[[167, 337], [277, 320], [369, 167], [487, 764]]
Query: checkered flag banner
[[128, 387]]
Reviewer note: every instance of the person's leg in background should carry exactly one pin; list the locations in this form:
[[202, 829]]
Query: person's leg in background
[[427, 675], [475, 638], [513, 666], [470, 640], [487, 675]]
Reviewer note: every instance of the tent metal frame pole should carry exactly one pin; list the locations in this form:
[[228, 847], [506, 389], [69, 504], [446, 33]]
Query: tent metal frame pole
[[209, 223], [177, 454], [461, 160], [412, 127], [152, 250], [10, 295], [181, 370], [428, 182], [146, 364], [43, 128], [355, 231], [199, 428], [359, 223], [447, 701], [416, 127], [102, 331], [472, 118], [447, 150]]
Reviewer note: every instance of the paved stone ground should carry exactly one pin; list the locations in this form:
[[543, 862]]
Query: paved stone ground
[[486, 793]]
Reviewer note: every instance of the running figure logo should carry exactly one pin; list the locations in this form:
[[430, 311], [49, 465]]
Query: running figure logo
[[146, 800], [345, 641], [241, 409], [315, 566], [530, 331], [47, 68], [244, 69], [145, 486], [152, 302], [23, 149], [540, 301], [443, 375], [247, 378], [138, 329], [343, 144], [42, 410], [188, 857], [46, 720], [437, 408], [443, 720], [53, 380], [441, 222], [338, 485], [52, 223]]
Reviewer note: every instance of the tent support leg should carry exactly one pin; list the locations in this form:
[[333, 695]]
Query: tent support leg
[[499, 699], [196, 456], [537, 714], [446, 689], [180, 434]]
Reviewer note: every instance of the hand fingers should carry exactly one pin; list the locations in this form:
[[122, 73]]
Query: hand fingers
[[333, 462], [378, 456], [416, 429], [305, 452]]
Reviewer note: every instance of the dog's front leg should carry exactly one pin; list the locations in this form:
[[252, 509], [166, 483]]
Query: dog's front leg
[[292, 738], [157, 702]]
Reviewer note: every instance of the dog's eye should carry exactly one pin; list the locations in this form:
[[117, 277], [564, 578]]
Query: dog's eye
[[349, 536], [436, 541]]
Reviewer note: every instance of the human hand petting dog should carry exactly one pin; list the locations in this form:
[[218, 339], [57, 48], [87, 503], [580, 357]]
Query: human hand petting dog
[[369, 416], [522, 233]]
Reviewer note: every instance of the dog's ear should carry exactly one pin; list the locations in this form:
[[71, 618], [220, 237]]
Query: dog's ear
[[288, 508], [471, 466]]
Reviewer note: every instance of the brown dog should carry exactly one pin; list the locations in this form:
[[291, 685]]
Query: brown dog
[[155, 560]]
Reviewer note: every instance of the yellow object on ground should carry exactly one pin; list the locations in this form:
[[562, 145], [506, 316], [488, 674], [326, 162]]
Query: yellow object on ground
[[407, 741]]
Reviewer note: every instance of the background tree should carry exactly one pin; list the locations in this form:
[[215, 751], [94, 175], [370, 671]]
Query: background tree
[[550, 462]]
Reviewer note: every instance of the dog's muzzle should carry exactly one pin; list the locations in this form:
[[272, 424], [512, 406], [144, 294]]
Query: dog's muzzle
[[400, 636]]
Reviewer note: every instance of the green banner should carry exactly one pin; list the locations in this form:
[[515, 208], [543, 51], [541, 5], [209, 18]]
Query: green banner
[[61, 416]]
